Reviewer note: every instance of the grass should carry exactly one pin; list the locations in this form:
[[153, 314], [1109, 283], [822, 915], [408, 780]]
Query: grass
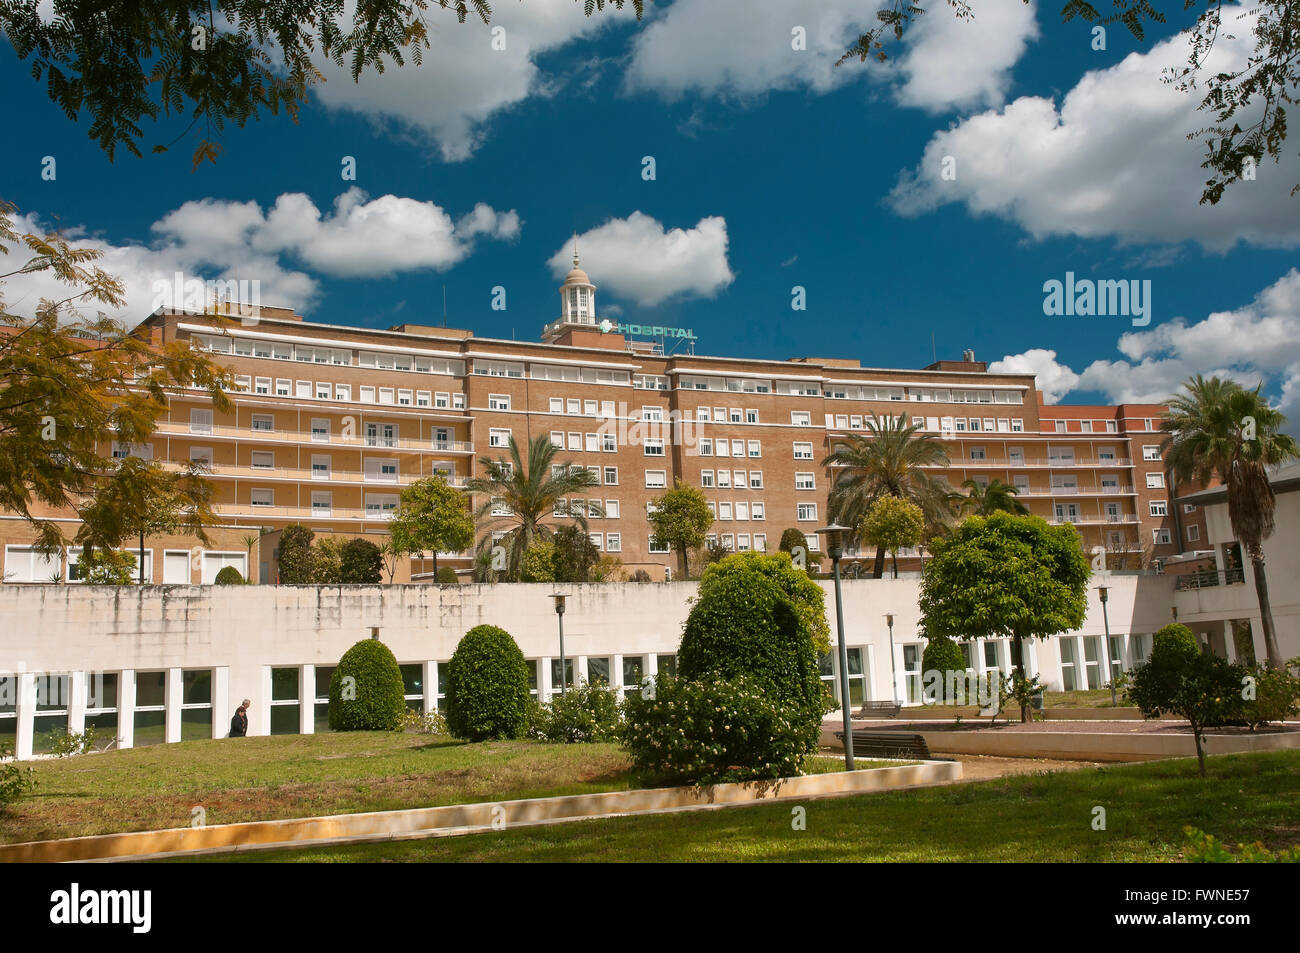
[[267, 778], [1035, 818], [282, 776], [1093, 698]]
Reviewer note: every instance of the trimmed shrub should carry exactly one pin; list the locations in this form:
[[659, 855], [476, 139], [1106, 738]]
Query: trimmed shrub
[[584, 713], [712, 730], [538, 562], [943, 655], [640, 576], [295, 557], [360, 562], [446, 576], [808, 598], [229, 576], [487, 686], [744, 624], [366, 691]]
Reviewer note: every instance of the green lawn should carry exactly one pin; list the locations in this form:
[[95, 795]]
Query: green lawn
[[1093, 698], [1038, 818], [266, 778], [243, 779]]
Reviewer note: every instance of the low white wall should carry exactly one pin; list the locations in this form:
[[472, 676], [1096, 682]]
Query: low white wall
[[241, 632]]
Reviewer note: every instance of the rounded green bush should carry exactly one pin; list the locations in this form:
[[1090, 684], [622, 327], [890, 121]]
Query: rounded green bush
[[229, 576], [584, 713], [487, 686], [366, 691], [1173, 643], [446, 576], [943, 655]]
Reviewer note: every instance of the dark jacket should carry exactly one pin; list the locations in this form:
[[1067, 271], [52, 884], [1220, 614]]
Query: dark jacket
[[239, 724]]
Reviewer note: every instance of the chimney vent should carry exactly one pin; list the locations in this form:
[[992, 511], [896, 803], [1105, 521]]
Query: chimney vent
[[968, 355]]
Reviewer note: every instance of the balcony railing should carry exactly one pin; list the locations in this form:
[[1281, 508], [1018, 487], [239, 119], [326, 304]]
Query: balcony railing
[[180, 428], [313, 475], [1209, 578]]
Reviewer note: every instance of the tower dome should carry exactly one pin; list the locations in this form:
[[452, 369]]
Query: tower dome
[[577, 295]]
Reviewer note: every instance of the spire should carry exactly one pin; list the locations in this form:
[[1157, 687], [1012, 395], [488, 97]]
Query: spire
[[575, 249]]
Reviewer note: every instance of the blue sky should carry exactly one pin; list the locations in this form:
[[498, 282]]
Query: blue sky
[[772, 170]]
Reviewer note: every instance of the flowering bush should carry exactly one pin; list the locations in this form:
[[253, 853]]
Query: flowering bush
[[715, 729], [584, 713]]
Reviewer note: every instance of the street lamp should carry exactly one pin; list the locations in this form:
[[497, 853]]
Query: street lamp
[[559, 615], [893, 675], [1104, 593], [834, 534]]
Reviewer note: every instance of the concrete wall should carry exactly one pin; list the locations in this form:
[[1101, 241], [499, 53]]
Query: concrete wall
[[240, 633], [1209, 611]]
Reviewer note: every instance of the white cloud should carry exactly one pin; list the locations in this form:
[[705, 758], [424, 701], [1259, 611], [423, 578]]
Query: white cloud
[[636, 258], [1054, 379], [1258, 342], [740, 49], [965, 63], [463, 81], [212, 239], [1113, 160]]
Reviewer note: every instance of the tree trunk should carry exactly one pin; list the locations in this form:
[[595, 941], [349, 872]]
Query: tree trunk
[[878, 570], [1020, 678], [1200, 748], [895, 558], [1265, 607], [681, 562], [435, 566], [142, 564]]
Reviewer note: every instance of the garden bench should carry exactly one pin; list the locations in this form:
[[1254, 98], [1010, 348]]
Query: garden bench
[[888, 744], [882, 708]]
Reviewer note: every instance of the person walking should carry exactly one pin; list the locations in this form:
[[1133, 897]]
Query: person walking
[[239, 723]]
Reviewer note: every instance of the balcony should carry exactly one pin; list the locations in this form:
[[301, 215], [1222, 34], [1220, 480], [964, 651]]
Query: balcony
[[299, 474], [179, 428], [1210, 578], [298, 513]]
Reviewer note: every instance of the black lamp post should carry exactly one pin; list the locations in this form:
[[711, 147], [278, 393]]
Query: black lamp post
[[1104, 593], [835, 547], [893, 675], [559, 615]]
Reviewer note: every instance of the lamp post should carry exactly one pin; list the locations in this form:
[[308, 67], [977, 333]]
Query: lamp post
[[559, 615], [834, 534], [893, 675], [1104, 593]]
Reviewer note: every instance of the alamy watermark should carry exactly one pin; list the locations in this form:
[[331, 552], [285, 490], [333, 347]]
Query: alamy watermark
[[1108, 297]]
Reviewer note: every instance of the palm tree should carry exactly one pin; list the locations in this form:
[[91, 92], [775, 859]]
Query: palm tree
[[527, 495], [888, 461], [997, 497], [1218, 429]]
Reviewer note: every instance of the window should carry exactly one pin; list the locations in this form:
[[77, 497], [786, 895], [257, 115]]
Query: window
[[756, 479], [724, 511], [742, 511], [737, 448], [1060, 426], [263, 422], [723, 447], [320, 429], [609, 443], [597, 540], [557, 439], [458, 401], [403, 398], [751, 416], [755, 448], [706, 447], [611, 509], [322, 390], [1159, 508], [801, 418], [803, 451], [656, 480], [652, 413], [760, 542], [607, 408], [286, 709], [262, 385], [261, 497], [759, 512], [575, 440], [150, 708], [263, 460], [806, 511], [611, 476], [367, 394], [1069, 674], [657, 547], [591, 442], [343, 392], [805, 481], [1017, 425], [499, 437], [706, 479], [1150, 452], [283, 388], [386, 395], [322, 503], [302, 389], [1193, 533], [498, 401], [654, 446], [573, 406], [613, 542], [724, 479], [201, 456], [1155, 481], [1161, 537], [381, 505], [422, 398]]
